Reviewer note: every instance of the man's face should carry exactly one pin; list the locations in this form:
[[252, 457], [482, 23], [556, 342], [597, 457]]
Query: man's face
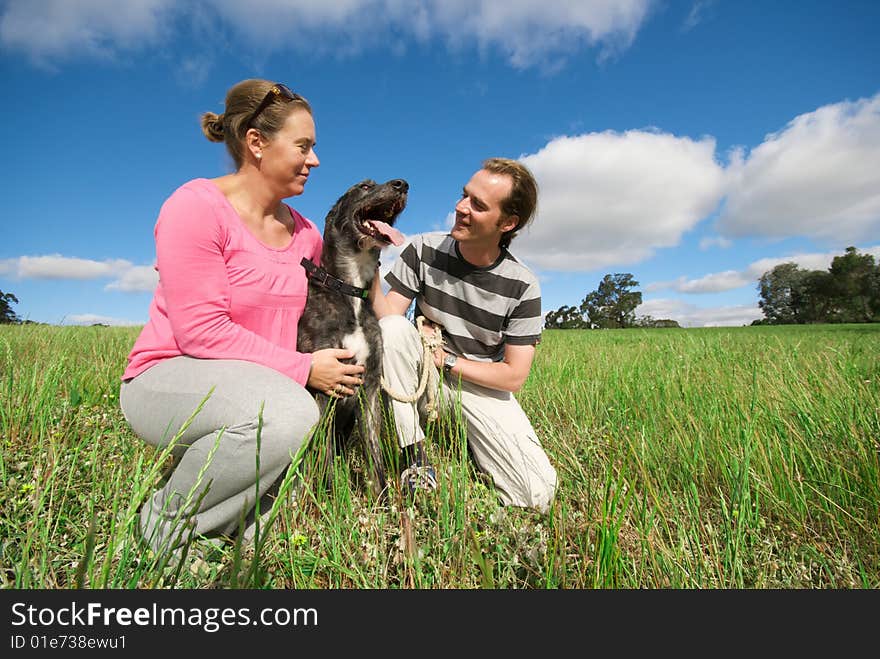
[[478, 217]]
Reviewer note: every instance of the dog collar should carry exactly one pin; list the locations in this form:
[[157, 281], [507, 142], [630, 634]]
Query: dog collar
[[325, 279]]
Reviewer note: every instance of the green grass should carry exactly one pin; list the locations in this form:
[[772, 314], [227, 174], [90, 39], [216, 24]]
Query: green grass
[[699, 458]]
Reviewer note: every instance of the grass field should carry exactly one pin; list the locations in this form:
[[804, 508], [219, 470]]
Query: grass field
[[700, 458]]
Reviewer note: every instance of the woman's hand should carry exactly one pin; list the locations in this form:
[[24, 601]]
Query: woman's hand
[[333, 377]]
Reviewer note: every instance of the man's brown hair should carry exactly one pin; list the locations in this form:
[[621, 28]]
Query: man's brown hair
[[523, 198]]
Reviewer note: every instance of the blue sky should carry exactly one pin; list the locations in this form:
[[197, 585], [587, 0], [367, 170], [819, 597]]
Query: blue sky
[[694, 144]]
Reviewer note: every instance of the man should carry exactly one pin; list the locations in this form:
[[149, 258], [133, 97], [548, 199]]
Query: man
[[488, 305]]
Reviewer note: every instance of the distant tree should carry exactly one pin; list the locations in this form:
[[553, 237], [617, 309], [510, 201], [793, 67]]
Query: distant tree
[[817, 300], [855, 279], [781, 290], [565, 317], [7, 315], [848, 292], [613, 304], [648, 321]]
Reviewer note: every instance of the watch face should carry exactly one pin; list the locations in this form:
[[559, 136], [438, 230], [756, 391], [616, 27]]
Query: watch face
[[449, 362]]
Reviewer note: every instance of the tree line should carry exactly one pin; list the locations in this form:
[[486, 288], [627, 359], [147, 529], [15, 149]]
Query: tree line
[[611, 306], [848, 292]]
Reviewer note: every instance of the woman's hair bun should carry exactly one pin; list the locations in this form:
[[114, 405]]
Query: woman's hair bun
[[212, 126]]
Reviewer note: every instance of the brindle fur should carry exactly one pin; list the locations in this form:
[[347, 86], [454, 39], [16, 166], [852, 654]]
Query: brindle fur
[[332, 319]]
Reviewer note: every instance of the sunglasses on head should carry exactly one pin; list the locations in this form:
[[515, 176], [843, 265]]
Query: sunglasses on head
[[276, 91]]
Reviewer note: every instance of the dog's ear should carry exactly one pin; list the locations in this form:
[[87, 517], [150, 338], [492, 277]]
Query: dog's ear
[[341, 207], [338, 209], [351, 196]]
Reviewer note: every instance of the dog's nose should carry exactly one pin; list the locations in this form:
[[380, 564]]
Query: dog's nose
[[399, 184]]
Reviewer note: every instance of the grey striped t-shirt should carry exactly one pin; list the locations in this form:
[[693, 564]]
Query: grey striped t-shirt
[[480, 309]]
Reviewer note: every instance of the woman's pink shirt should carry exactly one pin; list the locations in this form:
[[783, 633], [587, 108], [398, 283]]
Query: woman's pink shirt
[[223, 294]]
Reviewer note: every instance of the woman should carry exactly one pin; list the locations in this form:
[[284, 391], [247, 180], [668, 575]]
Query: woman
[[223, 323]]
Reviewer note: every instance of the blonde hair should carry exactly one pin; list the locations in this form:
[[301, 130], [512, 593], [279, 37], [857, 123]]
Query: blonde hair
[[242, 100]]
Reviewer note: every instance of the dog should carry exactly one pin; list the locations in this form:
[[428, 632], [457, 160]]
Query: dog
[[338, 314]]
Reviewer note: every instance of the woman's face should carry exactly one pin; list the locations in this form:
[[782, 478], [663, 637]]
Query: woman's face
[[289, 156]]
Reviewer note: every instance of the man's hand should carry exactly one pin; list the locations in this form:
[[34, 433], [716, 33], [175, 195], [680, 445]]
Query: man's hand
[[432, 332]]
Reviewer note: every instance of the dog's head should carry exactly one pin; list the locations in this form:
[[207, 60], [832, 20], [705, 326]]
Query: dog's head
[[363, 218]]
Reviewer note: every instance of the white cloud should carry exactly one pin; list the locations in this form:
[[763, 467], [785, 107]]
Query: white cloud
[[194, 70], [716, 241], [137, 279], [819, 178], [688, 315], [526, 32], [712, 283], [55, 29], [811, 261], [93, 319], [55, 266], [697, 14], [126, 277], [448, 223], [612, 199], [388, 256], [733, 279]]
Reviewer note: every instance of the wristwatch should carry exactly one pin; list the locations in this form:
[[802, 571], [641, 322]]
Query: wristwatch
[[449, 362]]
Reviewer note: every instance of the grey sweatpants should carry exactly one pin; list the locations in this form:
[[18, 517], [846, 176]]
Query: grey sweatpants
[[500, 436], [159, 401]]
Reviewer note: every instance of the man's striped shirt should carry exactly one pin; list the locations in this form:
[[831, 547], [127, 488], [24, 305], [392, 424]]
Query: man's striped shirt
[[480, 309]]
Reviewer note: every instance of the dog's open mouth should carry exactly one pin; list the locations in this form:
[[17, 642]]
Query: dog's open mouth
[[381, 230]]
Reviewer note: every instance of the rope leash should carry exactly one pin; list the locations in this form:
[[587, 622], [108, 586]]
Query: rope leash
[[429, 344]]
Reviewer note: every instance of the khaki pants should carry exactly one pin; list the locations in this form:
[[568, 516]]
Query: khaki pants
[[500, 436]]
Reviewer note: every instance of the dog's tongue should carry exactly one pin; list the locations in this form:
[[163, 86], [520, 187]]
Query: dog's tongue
[[393, 235]]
